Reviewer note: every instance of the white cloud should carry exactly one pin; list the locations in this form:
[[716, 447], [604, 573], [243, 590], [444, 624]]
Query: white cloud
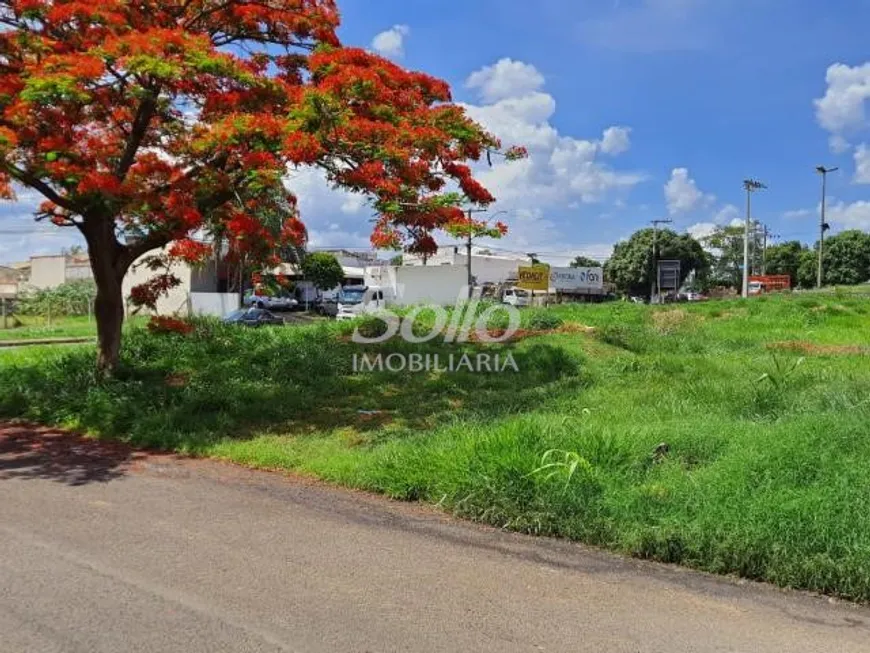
[[560, 170], [849, 216], [838, 144], [532, 231], [702, 230], [728, 214], [391, 43], [682, 193], [841, 111], [616, 140], [505, 79], [797, 214], [862, 165]]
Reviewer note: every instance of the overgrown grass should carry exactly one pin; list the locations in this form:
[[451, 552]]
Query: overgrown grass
[[728, 436]]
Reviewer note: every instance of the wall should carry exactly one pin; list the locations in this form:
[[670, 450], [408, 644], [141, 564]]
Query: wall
[[77, 271], [490, 269], [484, 268], [213, 303], [47, 271]]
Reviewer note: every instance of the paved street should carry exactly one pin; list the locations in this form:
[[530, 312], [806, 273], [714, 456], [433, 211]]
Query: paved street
[[102, 550]]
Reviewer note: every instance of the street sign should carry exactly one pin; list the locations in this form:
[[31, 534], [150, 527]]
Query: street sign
[[534, 277], [669, 276]]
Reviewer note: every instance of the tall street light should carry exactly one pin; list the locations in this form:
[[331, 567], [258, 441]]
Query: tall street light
[[822, 170], [751, 186]]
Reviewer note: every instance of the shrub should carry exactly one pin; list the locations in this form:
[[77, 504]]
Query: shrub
[[545, 321]]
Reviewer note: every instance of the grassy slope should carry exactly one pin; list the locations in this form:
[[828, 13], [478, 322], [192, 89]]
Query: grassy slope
[[765, 477]]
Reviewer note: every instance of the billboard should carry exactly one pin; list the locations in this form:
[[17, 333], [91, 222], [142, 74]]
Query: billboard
[[534, 277], [577, 279], [669, 275]]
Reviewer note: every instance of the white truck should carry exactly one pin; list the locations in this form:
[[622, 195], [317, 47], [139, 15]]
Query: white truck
[[354, 301]]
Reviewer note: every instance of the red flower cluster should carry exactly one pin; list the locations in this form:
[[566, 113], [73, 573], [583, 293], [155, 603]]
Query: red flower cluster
[[162, 324], [516, 153], [190, 251], [147, 294]]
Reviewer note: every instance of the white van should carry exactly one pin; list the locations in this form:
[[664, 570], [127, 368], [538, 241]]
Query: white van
[[517, 297], [354, 301]]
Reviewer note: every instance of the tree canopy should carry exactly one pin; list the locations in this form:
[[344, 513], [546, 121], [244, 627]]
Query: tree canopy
[[846, 258], [145, 123], [631, 267], [323, 270], [585, 262]]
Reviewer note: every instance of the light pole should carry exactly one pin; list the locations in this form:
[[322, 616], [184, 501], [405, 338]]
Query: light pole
[[655, 272], [751, 186], [822, 170]]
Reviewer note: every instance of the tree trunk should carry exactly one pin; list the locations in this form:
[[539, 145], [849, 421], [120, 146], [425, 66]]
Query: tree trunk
[[109, 264], [109, 311]]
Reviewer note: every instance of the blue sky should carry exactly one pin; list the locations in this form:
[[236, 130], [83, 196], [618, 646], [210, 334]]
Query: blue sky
[[632, 109]]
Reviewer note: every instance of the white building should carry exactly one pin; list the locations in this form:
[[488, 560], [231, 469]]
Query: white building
[[485, 267], [51, 271]]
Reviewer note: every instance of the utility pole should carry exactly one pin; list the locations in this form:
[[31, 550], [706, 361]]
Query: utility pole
[[822, 170], [655, 272], [764, 234], [468, 242], [751, 186]]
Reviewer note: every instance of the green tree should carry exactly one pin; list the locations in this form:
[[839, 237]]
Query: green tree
[[846, 258], [323, 269], [807, 269], [585, 262], [785, 258], [397, 260], [631, 266], [726, 243]]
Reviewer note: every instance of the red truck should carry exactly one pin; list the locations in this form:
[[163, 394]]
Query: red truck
[[770, 283]]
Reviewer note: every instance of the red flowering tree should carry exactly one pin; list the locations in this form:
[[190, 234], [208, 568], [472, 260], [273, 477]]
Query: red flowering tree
[[143, 123]]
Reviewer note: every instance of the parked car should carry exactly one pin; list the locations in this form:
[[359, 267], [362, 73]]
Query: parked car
[[517, 297], [695, 297], [270, 302], [253, 317]]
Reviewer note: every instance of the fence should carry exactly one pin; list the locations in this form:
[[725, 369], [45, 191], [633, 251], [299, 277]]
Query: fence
[[45, 311]]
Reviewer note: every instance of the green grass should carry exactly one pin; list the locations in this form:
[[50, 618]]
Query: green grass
[[35, 327], [763, 407]]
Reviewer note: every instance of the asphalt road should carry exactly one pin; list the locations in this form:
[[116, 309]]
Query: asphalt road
[[102, 550]]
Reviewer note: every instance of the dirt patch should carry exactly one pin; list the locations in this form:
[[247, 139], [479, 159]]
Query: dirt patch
[[672, 320], [810, 348]]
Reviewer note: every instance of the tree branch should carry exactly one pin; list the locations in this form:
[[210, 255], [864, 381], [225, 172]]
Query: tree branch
[[137, 134], [34, 182]]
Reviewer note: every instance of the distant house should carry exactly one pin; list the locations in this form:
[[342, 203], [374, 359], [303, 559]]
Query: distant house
[[10, 279], [53, 270]]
